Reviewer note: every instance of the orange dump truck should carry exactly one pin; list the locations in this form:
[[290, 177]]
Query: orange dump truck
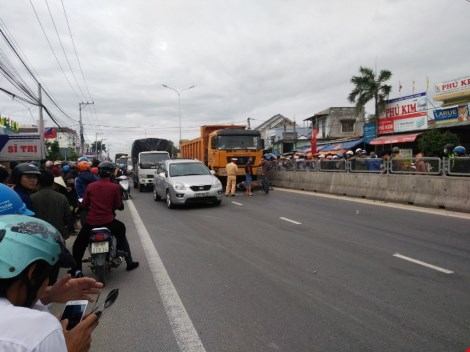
[[218, 144]]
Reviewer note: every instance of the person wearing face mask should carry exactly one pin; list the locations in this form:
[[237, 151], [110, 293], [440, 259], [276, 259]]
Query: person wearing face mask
[[448, 151]]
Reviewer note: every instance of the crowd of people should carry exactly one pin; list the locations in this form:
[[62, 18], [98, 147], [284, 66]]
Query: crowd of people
[[361, 160], [42, 205]]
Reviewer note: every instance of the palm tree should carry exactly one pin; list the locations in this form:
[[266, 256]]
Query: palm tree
[[369, 86]]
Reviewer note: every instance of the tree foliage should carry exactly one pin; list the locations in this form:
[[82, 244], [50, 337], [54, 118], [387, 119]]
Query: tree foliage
[[369, 86], [432, 142], [97, 146], [53, 151]]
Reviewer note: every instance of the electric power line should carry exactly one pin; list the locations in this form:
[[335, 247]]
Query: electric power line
[[63, 49], [52, 49], [75, 50]]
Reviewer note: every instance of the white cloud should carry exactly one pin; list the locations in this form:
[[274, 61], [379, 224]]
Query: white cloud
[[246, 58]]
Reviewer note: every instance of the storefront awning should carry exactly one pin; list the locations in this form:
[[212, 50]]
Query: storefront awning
[[399, 138], [339, 146]]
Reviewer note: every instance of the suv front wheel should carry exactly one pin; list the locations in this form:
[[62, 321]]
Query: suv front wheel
[[169, 202]]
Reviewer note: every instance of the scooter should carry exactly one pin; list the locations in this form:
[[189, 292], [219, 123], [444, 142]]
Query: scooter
[[124, 185], [103, 252]]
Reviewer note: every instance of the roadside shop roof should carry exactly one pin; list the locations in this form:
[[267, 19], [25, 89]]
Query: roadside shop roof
[[394, 139], [339, 146]]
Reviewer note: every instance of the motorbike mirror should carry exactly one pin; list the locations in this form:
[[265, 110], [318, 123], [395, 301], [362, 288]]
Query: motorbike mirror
[[108, 302]]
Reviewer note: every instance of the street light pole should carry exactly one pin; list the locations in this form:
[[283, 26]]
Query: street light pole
[[179, 103]]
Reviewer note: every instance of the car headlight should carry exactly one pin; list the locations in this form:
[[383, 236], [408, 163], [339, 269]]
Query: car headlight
[[178, 186], [217, 183]]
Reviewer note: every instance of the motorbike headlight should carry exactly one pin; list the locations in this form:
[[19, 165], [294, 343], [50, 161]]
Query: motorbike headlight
[[179, 186]]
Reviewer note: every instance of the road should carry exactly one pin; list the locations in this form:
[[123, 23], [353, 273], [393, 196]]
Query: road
[[290, 271]]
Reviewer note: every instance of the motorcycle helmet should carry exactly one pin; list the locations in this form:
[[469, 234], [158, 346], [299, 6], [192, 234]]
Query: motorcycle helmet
[[83, 166], [106, 169], [26, 240], [11, 203], [459, 150], [448, 148], [65, 168], [23, 169], [83, 158]]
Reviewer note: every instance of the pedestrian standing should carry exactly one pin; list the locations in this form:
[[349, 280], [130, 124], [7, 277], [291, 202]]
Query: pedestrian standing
[[249, 176], [232, 170]]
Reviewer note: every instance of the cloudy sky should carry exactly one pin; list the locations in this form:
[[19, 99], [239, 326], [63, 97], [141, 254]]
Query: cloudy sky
[[246, 58]]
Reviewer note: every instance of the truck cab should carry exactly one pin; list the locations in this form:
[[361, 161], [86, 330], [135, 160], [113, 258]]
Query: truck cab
[[144, 170]]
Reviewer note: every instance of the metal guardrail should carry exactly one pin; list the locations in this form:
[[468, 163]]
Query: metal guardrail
[[459, 166]]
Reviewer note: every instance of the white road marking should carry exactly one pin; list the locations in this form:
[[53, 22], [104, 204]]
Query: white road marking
[[237, 203], [289, 220], [423, 263], [186, 335], [382, 203]]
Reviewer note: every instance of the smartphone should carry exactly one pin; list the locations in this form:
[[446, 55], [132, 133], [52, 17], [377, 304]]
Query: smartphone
[[74, 311]]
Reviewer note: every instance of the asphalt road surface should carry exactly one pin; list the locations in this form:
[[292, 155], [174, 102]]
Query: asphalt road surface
[[290, 271]]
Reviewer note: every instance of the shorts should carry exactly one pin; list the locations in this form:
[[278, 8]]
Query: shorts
[[248, 180]]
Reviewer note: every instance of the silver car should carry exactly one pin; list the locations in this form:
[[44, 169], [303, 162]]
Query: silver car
[[185, 181]]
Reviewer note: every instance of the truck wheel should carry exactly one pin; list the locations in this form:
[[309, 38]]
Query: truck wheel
[[156, 197], [169, 203]]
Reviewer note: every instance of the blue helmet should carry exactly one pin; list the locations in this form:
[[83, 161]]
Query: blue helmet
[[25, 240], [459, 150], [11, 203], [65, 168], [83, 158]]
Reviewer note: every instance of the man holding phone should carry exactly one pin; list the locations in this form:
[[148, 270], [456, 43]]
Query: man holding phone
[[25, 325]]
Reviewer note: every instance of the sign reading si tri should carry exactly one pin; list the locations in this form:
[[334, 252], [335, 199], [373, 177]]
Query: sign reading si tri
[[21, 147]]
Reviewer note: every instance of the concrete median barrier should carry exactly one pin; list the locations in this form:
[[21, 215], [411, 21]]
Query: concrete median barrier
[[451, 193]]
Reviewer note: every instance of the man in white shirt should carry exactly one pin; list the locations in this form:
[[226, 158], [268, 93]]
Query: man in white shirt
[[25, 323]]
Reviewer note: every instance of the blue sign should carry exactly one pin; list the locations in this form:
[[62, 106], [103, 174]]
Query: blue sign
[[446, 114], [370, 132]]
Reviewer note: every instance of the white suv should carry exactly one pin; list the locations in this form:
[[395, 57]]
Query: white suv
[[185, 181]]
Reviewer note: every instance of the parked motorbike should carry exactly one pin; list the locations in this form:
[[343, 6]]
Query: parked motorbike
[[123, 182], [103, 252]]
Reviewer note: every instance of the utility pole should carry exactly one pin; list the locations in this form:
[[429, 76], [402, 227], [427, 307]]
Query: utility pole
[[82, 139], [248, 122], [41, 124], [96, 143]]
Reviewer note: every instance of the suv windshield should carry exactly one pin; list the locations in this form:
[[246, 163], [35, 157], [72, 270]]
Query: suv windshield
[[186, 169]]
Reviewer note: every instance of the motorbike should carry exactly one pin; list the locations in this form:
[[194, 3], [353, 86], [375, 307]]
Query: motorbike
[[103, 252], [123, 182]]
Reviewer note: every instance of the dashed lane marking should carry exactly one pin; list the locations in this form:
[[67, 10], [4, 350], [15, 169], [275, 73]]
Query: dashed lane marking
[[289, 220], [419, 262]]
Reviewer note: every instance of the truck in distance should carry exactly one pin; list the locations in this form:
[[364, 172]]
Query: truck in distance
[[218, 144], [146, 154]]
